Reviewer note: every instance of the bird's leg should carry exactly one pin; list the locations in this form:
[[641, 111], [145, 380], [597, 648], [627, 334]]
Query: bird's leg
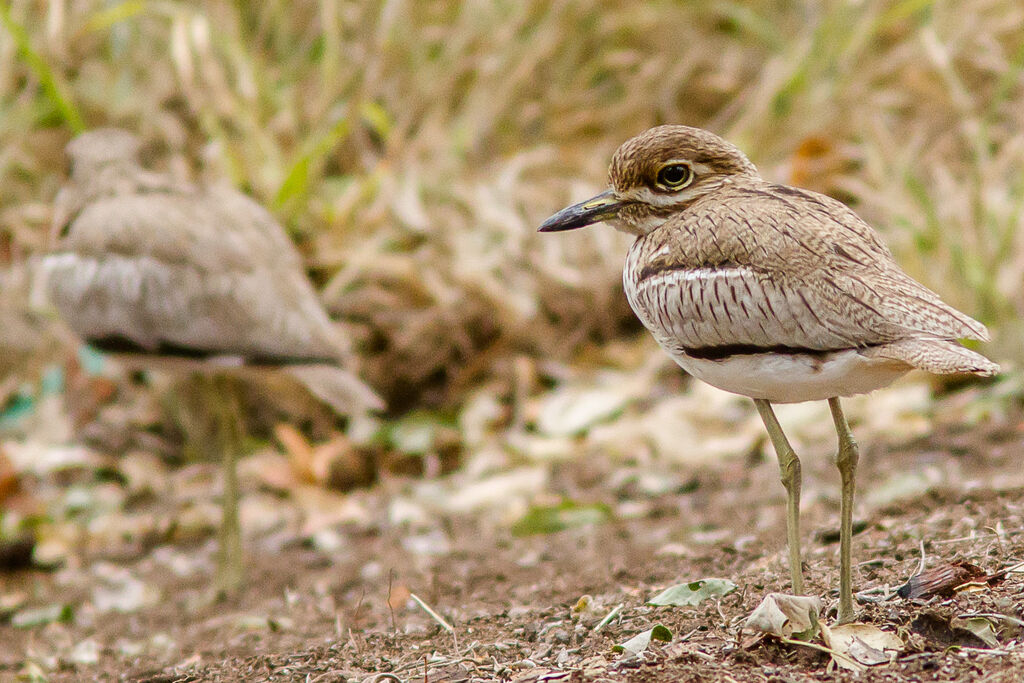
[[789, 466], [846, 461], [223, 404]]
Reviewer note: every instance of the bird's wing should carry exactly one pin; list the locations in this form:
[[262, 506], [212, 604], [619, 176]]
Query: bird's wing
[[779, 267], [189, 272], [266, 241], [211, 231]]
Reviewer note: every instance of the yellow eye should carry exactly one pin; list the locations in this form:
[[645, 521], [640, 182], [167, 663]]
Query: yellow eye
[[674, 176]]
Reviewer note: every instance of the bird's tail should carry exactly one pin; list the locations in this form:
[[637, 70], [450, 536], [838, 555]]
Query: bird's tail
[[940, 356], [338, 388]]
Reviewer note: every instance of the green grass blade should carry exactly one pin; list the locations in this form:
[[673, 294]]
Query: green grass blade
[[296, 182], [42, 71]]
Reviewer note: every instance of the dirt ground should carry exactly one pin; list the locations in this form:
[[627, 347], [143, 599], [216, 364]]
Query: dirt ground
[[336, 605]]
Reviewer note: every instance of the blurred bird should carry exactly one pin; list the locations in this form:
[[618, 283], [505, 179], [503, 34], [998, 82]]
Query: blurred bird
[[769, 291], [202, 279]]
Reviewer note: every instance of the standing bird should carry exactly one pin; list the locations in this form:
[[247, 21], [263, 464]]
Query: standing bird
[[201, 278], [771, 292]]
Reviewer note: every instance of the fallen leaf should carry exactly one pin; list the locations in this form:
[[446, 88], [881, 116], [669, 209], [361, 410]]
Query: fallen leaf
[[433, 543], [981, 627], [417, 433], [40, 616], [693, 593], [900, 486], [786, 616], [298, 449], [859, 645], [274, 471], [583, 605], [571, 410], [547, 519], [943, 631], [85, 652], [117, 590], [42, 459], [11, 602], [398, 596], [638, 643], [495, 491]]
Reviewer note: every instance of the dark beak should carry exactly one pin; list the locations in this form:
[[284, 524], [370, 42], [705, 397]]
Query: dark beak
[[594, 210]]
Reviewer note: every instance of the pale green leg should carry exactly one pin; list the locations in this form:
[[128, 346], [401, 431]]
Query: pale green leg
[[789, 466], [846, 461], [222, 402]]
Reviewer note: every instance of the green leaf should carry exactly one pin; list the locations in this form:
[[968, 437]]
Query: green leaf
[[377, 118], [40, 616], [115, 14], [547, 519], [693, 593], [638, 643], [296, 182], [661, 633]]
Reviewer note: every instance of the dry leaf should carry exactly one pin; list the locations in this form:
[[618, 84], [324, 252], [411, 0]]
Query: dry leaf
[[786, 616], [860, 645], [398, 596], [981, 627], [943, 630], [298, 450], [571, 410]]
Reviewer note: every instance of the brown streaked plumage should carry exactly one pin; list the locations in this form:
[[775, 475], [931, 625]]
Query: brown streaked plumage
[[165, 272], [769, 291]]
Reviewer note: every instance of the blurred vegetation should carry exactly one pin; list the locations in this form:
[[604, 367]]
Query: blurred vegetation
[[412, 147]]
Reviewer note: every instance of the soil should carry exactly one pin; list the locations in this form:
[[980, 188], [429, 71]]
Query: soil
[[313, 611]]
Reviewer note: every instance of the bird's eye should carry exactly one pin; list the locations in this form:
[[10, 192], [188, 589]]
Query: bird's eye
[[674, 176]]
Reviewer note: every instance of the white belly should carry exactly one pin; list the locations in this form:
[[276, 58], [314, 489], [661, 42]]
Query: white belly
[[796, 377]]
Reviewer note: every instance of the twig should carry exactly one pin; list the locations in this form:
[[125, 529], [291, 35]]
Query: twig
[[376, 678], [827, 650], [391, 579], [1012, 569], [999, 532], [608, 617], [983, 650], [917, 655], [686, 637], [977, 537], [702, 655], [433, 615], [875, 595]]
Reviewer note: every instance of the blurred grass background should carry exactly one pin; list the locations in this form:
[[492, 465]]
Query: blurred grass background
[[411, 147]]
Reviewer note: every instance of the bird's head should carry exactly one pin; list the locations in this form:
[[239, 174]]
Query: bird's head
[[654, 175], [97, 149]]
